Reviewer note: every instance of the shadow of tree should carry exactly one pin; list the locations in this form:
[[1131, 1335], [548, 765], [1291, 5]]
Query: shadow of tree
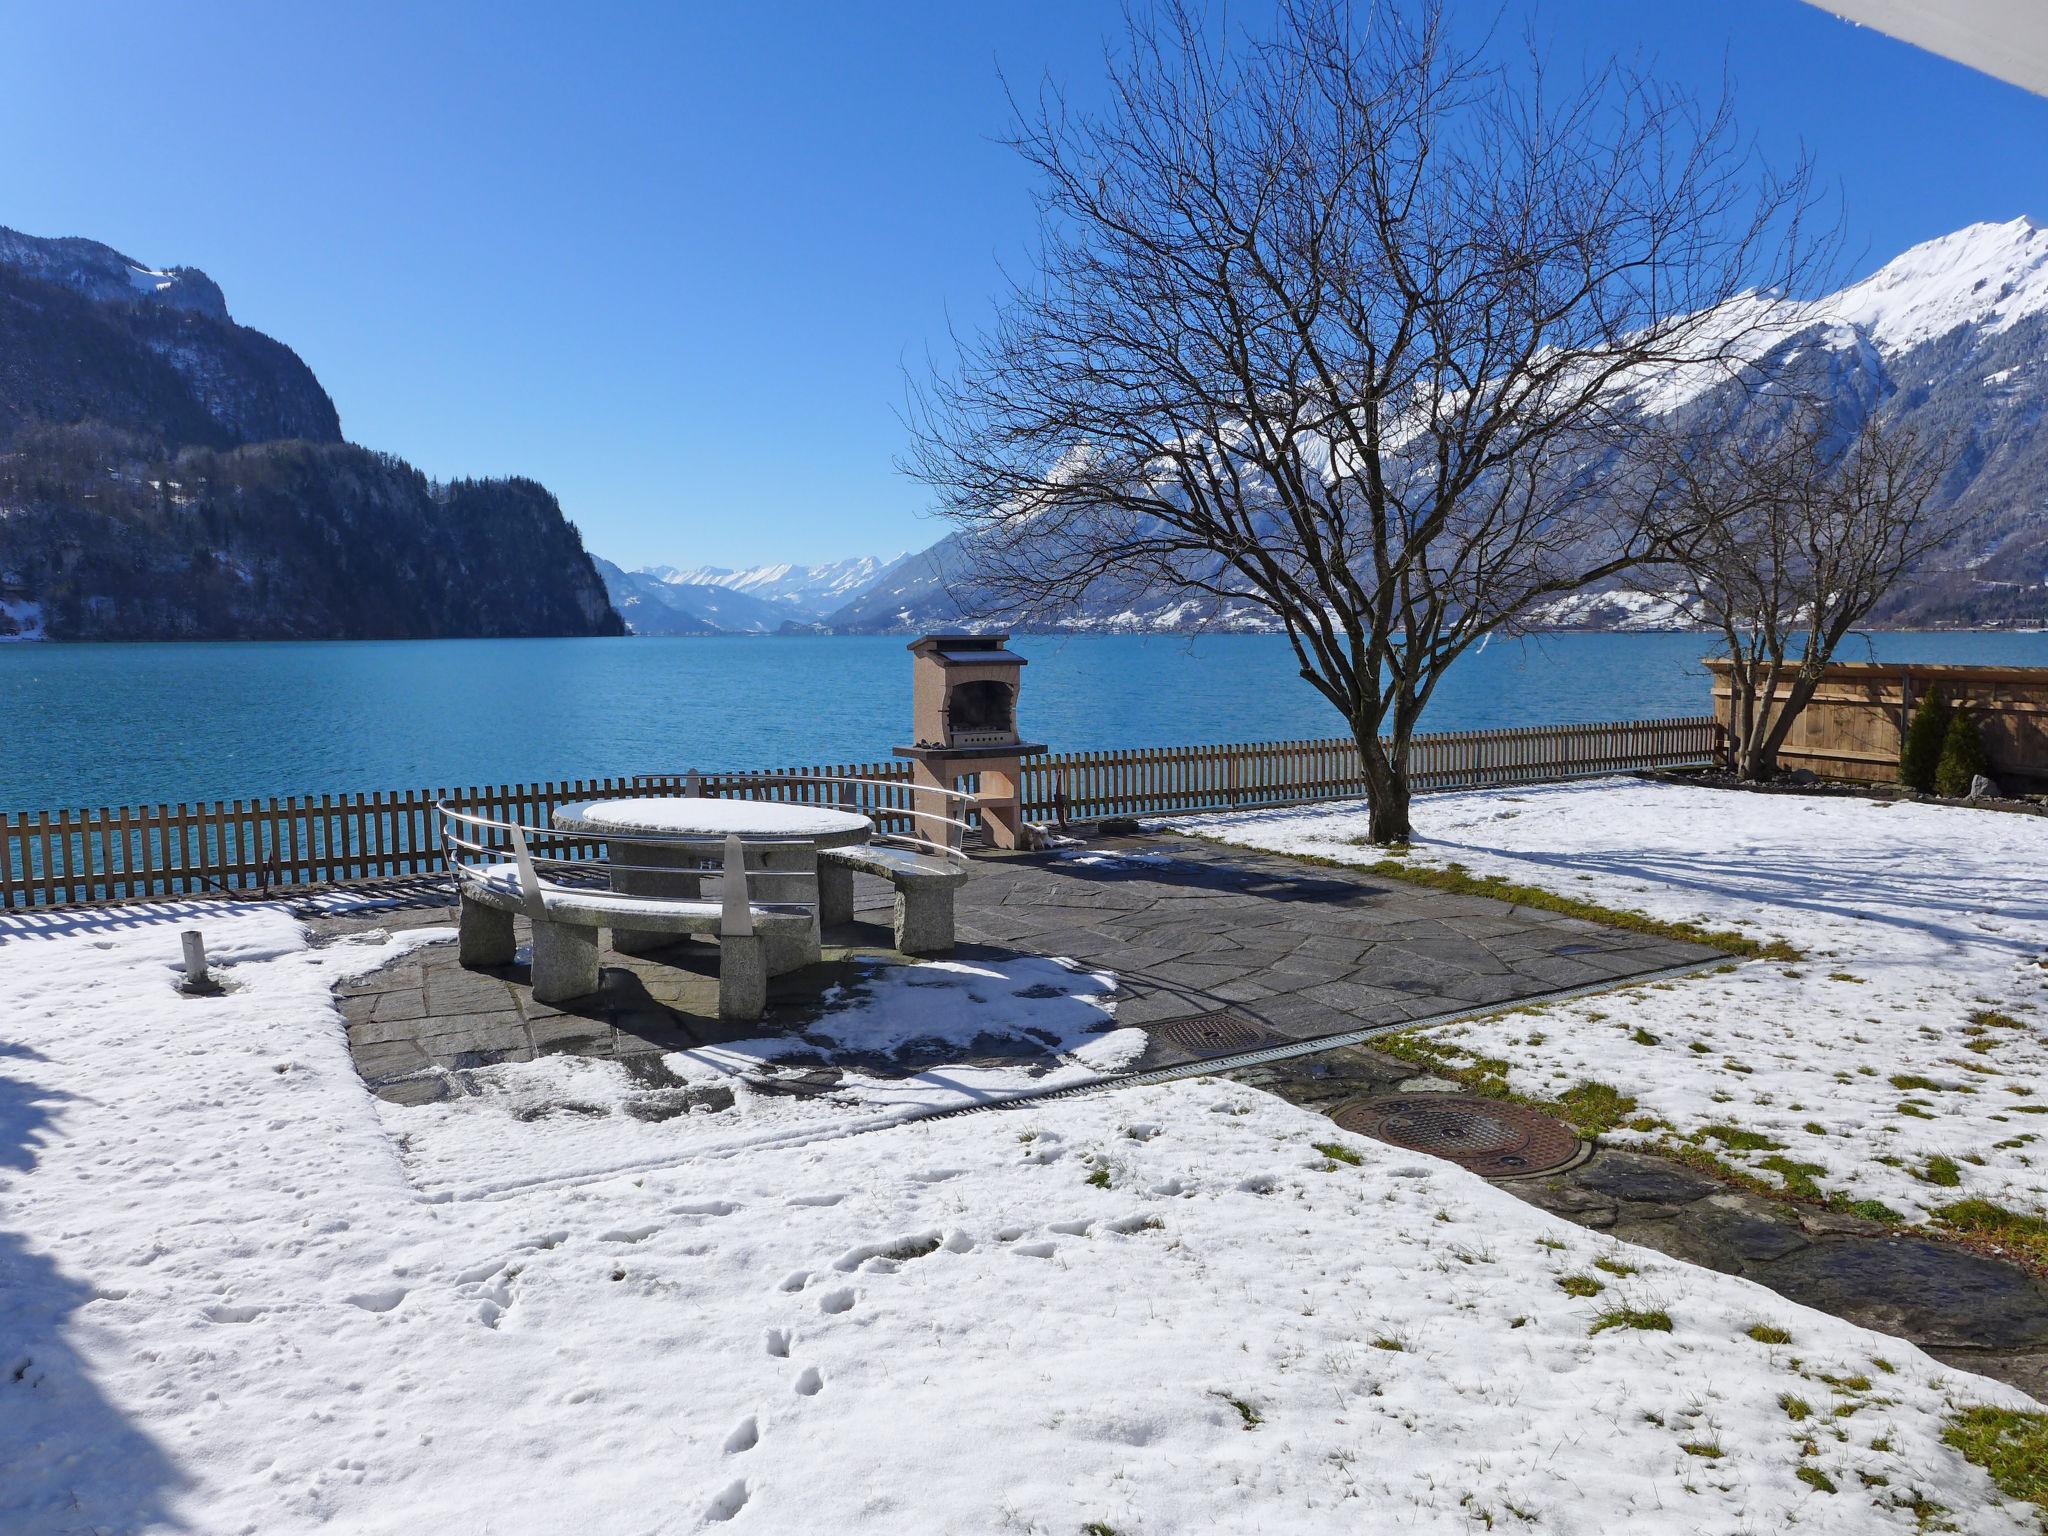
[[70, 1460]]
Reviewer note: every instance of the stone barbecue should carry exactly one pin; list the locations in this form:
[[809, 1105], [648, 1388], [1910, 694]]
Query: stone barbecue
[[964, 722]]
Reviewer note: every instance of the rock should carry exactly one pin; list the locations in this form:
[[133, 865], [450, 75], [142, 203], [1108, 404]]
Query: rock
[[1626, 1176], [1928, 1292], [1802, 777], [1982, 788]]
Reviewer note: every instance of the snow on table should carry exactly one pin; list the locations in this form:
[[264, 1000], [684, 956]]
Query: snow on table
[[1865, 1062], [1164, 1310]]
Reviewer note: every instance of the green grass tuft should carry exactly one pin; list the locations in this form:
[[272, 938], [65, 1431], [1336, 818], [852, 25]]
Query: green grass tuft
[[1336, 1152], [1736, 1139], [1813, 1477], [1458, 878], [1579, 1285], [2009, 1443], [1649, 1320], [1944, 1172], [1768, 1333], [2014, 1231]]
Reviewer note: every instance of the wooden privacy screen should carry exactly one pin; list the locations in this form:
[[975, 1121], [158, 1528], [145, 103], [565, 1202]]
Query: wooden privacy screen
[[60, 858]]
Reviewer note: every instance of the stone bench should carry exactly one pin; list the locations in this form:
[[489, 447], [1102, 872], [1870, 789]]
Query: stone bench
[[925, 887], [565, 921]]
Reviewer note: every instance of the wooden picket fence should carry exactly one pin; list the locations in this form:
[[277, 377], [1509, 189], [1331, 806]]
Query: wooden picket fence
[[63, 858]]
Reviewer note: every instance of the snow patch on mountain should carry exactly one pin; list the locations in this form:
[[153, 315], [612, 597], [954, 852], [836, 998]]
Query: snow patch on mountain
[[811, 591]]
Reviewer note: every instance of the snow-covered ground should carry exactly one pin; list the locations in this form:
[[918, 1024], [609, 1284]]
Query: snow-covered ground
[[905, 1039], [1859, 1065], [224, 1308]]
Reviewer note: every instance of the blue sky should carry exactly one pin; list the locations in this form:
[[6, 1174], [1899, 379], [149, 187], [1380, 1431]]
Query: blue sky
[[672, 259]]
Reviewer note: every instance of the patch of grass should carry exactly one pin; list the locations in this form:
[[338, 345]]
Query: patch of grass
[[1736, 1139], [1648, 1320], [1799, 1177], [1845, 976], [1797, 1409], [1913, 1082], [1708, 1450], [1642, 1036], [1579, 1285], [1944, 1172], [1814, 1478], [2014, 1231], [1615, 1267], [1456, 877], [1099, 1528], [1336, 1152], [1099, 1178], [1814, 1128], [1857, 1383], [1391, 1344], [1700, 1048], [1991, 1018], [2009, 1443], [1595, 1107], [1251, 1416], [1768, 1333]]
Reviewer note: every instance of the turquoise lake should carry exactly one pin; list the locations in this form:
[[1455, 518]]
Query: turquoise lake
[[93, 725]]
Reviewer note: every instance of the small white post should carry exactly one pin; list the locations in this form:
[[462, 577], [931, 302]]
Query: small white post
[[693, 785], [195, 957]]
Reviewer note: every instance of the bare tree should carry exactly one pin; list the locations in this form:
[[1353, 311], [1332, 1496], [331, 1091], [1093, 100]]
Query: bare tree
[[1348, 325], [1785, 535]]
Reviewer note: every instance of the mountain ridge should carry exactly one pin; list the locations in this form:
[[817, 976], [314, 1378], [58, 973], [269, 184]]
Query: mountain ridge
[[167, 473], [1951, 335]]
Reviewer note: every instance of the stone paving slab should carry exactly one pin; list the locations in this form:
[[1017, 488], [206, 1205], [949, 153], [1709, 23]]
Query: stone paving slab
[[1298, 950]]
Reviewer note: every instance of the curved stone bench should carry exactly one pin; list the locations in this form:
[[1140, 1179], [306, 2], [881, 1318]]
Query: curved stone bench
[[925, 886], [566, 919]]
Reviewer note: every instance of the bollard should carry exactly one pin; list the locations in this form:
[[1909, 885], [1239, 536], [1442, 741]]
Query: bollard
[[195, 957]]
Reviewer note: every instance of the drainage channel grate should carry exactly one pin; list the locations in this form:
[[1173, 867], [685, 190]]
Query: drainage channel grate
[[1494, 1139], [1214, 1034]]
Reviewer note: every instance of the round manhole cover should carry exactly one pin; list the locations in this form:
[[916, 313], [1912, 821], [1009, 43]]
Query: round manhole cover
[[1213, 1034], [1489, 1136]]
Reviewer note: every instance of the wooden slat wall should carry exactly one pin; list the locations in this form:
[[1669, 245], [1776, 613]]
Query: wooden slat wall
[[63, 858]]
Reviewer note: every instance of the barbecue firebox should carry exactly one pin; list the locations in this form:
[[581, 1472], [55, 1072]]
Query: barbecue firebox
[[964, 720]]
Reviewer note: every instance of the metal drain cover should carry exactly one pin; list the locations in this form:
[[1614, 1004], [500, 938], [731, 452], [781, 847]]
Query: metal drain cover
[[1491, 1137], [1214, 1034]]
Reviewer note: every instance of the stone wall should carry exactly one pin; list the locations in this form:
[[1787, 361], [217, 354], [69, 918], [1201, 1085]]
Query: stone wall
[[1852, 727]]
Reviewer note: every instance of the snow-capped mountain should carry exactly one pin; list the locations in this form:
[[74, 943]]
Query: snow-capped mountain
[[654, 605], [808, 591], [1951, 337]]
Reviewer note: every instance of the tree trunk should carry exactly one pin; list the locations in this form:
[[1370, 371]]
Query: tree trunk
[[1386, 787]]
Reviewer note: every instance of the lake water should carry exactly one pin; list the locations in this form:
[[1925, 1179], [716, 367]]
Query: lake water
[[92, 725]]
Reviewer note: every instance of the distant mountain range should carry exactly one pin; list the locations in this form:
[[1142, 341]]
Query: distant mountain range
[[759, 600], [168, 474], [1951, 337]]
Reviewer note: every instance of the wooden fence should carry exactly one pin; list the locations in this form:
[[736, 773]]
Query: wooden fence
[[61, 858]]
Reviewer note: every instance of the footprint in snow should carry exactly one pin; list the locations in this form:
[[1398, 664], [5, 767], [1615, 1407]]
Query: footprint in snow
[[743, 1438], [834, 1302], [808, 1382], [777, 1342], [729, 1502]]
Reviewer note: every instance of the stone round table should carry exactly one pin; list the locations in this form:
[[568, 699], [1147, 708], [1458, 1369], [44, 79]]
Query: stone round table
[[787, 873]]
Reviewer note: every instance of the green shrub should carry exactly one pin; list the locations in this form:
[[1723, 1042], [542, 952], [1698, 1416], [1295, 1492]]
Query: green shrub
[[1962, 756], [1920, 753]]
